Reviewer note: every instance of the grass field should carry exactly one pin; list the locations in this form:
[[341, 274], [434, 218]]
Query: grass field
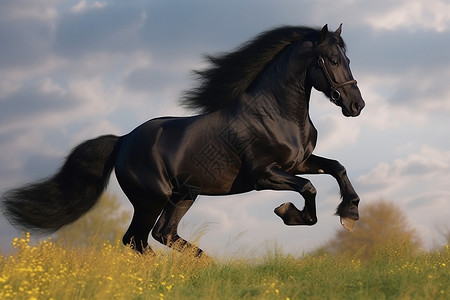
[[49, 270]]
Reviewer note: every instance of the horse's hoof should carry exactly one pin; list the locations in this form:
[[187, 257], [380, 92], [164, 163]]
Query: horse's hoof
[[348, 224], [283, 209]]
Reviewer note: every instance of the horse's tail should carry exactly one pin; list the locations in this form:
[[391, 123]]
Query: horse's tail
[[48, 205]]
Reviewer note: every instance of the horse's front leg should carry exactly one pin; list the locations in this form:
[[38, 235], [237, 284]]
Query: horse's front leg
[[276, 179], [348, 208]]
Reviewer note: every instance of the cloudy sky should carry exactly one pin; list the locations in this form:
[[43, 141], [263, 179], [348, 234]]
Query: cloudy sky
[[72, 70]]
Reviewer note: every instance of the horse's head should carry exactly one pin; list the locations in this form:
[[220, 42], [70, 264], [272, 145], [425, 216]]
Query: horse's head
[[331, 74]]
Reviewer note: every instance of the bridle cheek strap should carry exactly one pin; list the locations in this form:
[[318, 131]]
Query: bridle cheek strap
[[335, 94]]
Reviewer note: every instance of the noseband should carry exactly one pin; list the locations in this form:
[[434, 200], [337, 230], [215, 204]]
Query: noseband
[[335, 94]]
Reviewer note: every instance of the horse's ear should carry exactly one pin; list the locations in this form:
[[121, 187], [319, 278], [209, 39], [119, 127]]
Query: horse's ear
[[323, 33], [339, 30]]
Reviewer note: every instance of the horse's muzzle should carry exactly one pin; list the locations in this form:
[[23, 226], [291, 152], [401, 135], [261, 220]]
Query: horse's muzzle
[[356, 107]]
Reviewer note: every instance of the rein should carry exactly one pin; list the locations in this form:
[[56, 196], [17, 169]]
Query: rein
[[335, 94]]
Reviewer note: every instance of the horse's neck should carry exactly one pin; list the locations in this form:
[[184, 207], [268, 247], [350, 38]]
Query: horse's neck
[[284, 84], [286, 100]]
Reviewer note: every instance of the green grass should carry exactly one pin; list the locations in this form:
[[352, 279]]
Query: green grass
[[50, 270]]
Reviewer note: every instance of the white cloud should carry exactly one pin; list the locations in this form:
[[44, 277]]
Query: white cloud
[[335, 131], [411, 14], [93, 129], [47, 86], [430, 165], [47, 104], [19, 10], [418, 183], [84, 5]]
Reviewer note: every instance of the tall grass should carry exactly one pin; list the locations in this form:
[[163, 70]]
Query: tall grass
[[49, 270]]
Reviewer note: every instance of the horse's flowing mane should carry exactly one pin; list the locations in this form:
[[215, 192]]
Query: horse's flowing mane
[[231, 74]]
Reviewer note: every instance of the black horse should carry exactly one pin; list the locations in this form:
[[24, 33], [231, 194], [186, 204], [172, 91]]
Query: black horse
[[254, 133]]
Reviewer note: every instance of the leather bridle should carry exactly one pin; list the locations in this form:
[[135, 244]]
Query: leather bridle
[[335, 95]]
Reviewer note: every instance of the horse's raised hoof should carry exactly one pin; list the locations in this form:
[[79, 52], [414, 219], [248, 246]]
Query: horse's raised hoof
[[348, 224], [292, 216], [283, 209]]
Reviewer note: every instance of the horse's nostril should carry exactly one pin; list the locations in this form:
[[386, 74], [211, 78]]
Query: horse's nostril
[[357, 107]]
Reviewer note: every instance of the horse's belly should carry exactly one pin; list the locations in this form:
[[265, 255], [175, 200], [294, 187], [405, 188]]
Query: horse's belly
[[211, 168], [208, 182]]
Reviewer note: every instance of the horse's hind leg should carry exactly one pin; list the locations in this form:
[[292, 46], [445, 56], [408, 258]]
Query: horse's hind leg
[[144, 218], [166, 228]]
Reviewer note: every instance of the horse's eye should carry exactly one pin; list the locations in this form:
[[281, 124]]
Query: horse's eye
[[334, 62]]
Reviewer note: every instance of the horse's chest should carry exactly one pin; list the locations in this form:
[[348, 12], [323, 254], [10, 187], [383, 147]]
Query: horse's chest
[[299, 148]]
